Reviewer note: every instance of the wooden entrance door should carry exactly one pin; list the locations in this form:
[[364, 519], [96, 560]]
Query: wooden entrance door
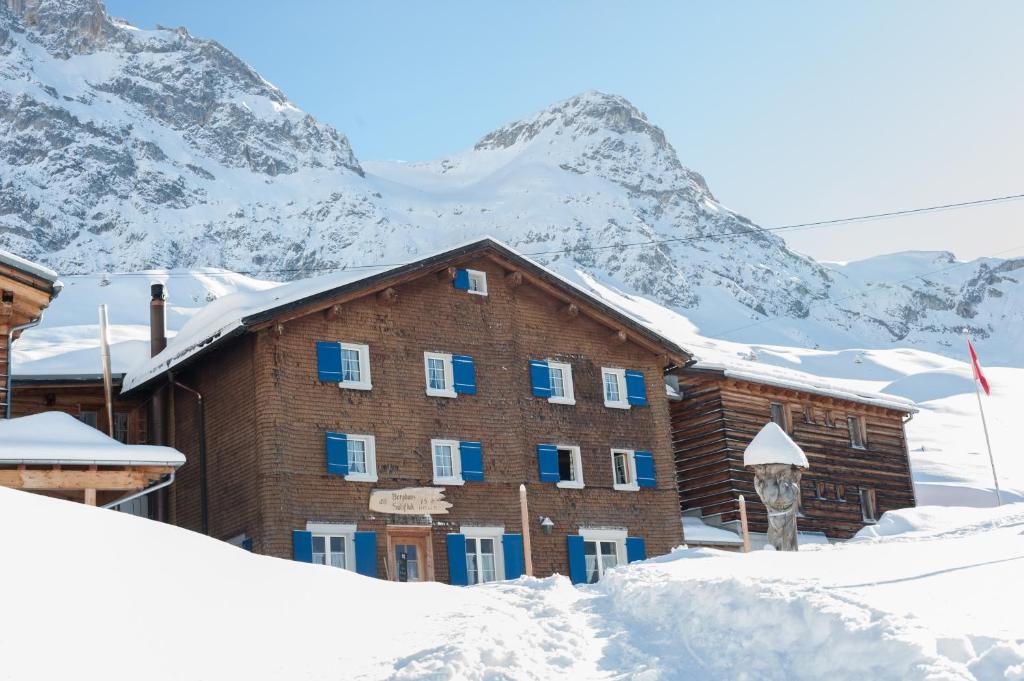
[[410, 554]]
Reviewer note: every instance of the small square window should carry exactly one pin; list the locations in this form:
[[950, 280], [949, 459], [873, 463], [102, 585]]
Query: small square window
[[562, 391], [828, 419], [808, 414], [355, 366], [439, 374], [447, 462], [90, 418], [362, 458], [570, 467], [856, 425], [614, 382], [624, 470], [477, 282]]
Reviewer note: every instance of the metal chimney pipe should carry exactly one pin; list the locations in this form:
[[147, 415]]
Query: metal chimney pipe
[[157, 320]]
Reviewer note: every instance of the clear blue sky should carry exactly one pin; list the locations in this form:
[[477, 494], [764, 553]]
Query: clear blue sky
[[793, 111]]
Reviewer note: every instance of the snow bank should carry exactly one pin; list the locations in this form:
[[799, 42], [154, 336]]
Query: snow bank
[[773, 445], [57, 438], [860, 610]]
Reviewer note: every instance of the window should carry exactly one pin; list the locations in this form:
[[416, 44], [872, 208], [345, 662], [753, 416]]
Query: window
[[808, 414], [779, 415], [90, 418], [570, 468], [477, 282], [439, 374], [362, 458], [602, 550], [828, 420], [121, 427], [868, 509], [840, 492], [447, 466], [355, 366], [561, 383], [333, 545], [820, 490], [856, 425], [624, 470], [614, 381], [481, 565]]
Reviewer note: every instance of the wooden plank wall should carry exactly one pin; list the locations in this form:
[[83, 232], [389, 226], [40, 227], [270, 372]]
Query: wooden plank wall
[[717, 419]]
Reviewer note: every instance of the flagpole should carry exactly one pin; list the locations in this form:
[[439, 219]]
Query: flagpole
[[984, 426]]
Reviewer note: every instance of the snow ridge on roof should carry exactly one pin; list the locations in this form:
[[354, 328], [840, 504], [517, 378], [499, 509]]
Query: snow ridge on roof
[[19, 263], [54, 437]]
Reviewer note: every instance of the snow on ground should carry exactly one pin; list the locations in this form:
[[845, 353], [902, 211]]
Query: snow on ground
[[946, 441], [183, 606]]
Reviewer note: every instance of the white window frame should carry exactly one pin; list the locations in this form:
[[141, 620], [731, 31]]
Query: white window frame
[[370, 448], [481, 278], [343, 530], [577, 464], [632, 486], [620, 378], [364, 367], [618, 536], [496, 533], [570, 393], [449, 374], [456, 478]]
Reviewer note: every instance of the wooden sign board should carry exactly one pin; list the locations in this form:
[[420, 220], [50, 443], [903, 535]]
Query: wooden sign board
[[410, 501]]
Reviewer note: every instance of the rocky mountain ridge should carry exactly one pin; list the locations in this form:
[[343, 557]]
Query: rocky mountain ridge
[[127, 149]]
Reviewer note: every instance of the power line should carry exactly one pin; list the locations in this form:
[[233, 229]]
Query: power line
[[819, 224], [860, 292]]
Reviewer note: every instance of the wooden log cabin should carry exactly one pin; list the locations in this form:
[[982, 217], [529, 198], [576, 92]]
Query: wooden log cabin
[[26, 289], [855, 444], [384, 420]]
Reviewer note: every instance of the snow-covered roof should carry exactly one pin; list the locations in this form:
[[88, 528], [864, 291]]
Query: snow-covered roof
[[230, 315], [797, 380], [19, 263], [696, 531], [773, 445], [57, 438]]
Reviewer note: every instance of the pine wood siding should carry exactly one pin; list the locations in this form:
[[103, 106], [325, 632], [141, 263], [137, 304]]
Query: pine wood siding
[[718, 417], [74, 397], [268, 414]]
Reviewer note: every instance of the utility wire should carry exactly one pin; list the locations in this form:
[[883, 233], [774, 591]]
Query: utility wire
[[860, 292], [577, 249]]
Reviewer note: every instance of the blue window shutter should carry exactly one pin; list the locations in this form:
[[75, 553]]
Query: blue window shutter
[[302, 546], [540, 379], [636, 390], [577, 563], [461, 280], [644, 469], [512, 548], [366, 553], [337, 453], [472, 457], [464, 374], [247, 545], [547, 462], [328, 361], [457, 573], [635, 549]]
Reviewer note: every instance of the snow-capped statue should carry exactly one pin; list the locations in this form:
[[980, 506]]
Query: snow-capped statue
[[777, 463]]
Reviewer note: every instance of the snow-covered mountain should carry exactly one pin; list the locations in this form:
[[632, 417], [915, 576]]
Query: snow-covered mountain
[[126, 148]]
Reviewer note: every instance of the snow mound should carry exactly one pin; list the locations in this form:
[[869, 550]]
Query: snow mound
[[931, 385], [773, 445], [933, 520]]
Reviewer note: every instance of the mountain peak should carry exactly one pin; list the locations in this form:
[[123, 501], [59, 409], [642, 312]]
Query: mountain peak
[[588, 113], [68, 26]]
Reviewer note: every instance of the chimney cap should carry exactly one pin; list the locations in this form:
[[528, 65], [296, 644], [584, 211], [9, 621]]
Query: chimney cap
[[157, 291]]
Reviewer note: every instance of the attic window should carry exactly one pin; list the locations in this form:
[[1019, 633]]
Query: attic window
[[808, 414], [857, 431], [779, 415], [477, 282], [8, 297]]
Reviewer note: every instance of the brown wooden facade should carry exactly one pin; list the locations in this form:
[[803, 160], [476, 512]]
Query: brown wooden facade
[[267, 413], [717, 417], [82, 397]]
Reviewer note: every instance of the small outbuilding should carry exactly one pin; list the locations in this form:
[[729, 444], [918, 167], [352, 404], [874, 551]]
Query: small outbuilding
[[57, 455]]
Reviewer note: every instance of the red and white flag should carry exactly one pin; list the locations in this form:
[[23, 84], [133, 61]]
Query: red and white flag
[[979, 375]]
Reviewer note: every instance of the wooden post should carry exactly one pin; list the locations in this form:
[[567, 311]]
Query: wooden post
[[90, 494], [527, 552], [105, 364], [743, 525]]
